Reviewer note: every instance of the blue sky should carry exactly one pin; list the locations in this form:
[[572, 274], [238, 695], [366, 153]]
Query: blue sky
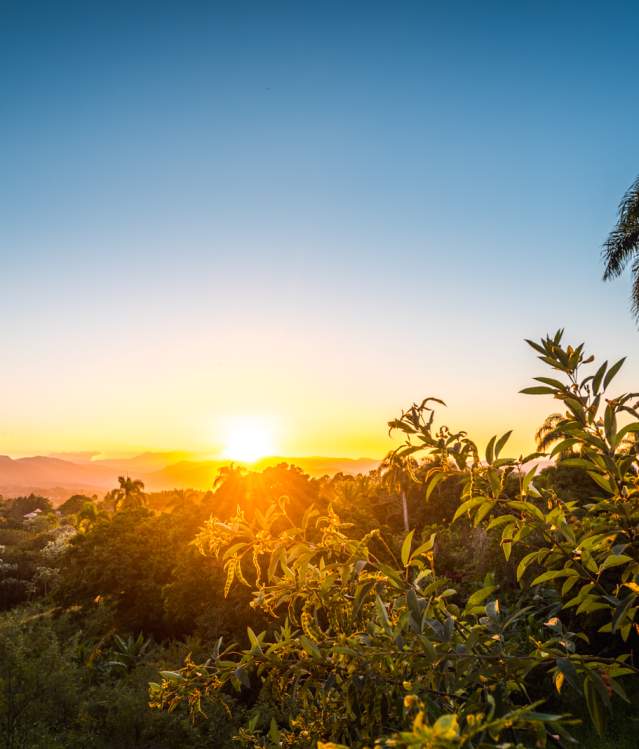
[[318, 211]]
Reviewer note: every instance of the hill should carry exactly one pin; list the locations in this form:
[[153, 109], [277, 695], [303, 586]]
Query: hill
[[56, 478]]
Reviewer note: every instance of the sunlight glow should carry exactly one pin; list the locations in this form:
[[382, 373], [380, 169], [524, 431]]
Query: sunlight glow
[[248, 440]]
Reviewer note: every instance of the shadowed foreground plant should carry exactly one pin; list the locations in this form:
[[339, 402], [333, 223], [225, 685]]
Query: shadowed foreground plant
[[368, 653], [587, 554], [370, 648]]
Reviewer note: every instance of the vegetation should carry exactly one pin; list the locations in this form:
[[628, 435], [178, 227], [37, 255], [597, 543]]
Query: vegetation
[[451, 598], [622, 245]]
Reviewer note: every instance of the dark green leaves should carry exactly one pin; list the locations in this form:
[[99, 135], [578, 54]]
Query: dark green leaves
[[538, 390], [612, 372]]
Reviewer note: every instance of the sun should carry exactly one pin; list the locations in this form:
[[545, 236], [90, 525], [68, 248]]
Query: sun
[[248, 440]]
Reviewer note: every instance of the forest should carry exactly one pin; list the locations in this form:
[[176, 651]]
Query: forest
[[266, 275], [454, 597]]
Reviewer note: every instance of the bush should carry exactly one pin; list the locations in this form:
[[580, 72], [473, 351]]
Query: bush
[[405, 645]]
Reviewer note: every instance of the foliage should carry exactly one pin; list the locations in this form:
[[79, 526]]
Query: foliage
[[38, 686], [58, 691], [15, 509], [622, 244], [585, 551], [29, 549], [372, 646], [126, 653], [352, 622], [297, 612], [74, 504], [129, 495]]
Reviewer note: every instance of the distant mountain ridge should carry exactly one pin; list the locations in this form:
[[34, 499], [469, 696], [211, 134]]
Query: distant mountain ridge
[[56, 477]]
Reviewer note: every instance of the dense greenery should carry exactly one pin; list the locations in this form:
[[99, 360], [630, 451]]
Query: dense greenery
[[448, 599], [622, 245]]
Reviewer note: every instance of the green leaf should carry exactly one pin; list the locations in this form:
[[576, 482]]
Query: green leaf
[[232, 550], [501, 442], [406, 546], [612, 372], [524, 563], [603, 481], [538, 390], [553, 575], [576, 407], [531, 456], [423, 548], [468, 505], [551, 382], [506, 539], [577, 463], [446, 728], [501, 520], [486, 508], [274, 733], [568, 585], [361, 592], [383, 613], [591, 604], [615, 560], [629, 428], [479, 596], [254, 639], [621, 610], [539, 349], [428, 647], [490, 447], [433, 483], [172, 676], [310, 647], [595, 706], [393, 575], [528, 507], [563, 445], [610, 424], [596, 380]]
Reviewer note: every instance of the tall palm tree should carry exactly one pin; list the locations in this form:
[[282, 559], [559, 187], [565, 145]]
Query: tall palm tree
[[87, 517], [550, 432], [129, 494], [622, 244]]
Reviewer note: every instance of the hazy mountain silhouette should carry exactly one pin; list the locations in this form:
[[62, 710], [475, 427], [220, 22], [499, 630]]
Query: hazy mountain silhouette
[[57, 478]]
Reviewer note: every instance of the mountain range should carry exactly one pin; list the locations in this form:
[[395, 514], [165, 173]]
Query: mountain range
[[58, 476]]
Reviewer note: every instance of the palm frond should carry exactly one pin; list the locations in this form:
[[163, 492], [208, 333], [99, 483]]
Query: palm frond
[[548, 433], [623, 240], [634, 294]]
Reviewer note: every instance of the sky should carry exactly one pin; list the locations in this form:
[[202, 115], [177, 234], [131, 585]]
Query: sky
[[308, 215]]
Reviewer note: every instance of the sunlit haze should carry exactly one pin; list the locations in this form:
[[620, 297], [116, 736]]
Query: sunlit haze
[[248, 439], [318, 213]]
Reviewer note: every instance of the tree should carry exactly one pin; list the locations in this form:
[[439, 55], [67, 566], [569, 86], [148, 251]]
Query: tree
[[74, 504], [453, 675], [38, 685], [130, 494], [87, 517], [20, 506], [122, 563], [549, 434], [622, 244], [461, 665], [584, 556]]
